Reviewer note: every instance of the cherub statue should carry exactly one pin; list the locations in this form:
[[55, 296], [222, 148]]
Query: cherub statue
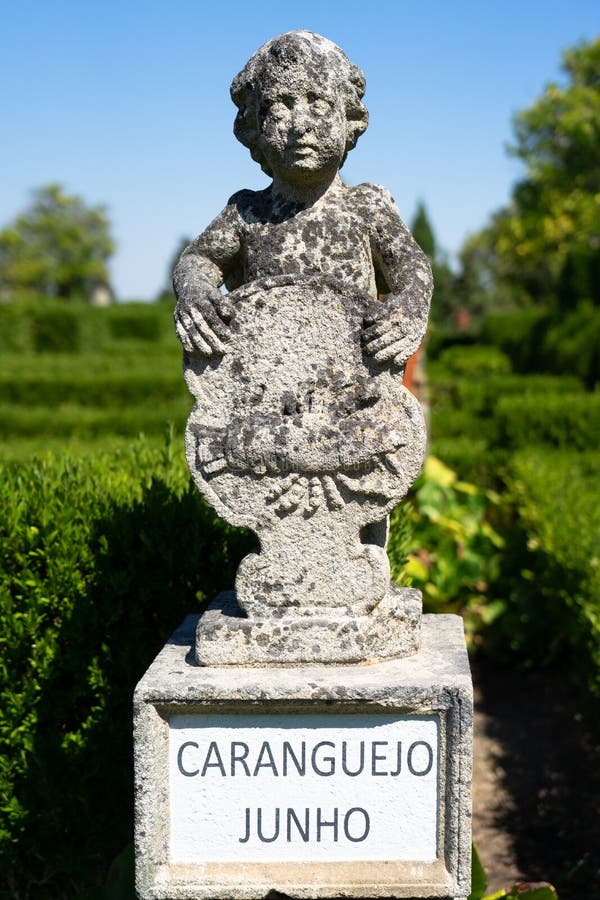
[[302, 429]]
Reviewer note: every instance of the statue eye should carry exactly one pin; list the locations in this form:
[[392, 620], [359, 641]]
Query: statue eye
[[264, 109], [276, 108], [318, 104]]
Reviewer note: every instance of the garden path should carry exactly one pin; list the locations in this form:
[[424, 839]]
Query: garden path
[[536, 792]]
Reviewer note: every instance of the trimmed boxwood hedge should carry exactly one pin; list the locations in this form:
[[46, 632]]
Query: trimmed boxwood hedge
[[100, 559], [551, 564], [570, 421]]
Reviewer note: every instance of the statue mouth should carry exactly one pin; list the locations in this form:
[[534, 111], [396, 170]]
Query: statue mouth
[[302, 148]]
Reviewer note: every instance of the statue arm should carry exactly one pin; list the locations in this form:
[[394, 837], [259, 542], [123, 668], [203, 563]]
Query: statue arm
[[395, 327], [202, 312]]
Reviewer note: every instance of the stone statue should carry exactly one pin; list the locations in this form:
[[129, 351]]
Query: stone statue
[[302, 429]]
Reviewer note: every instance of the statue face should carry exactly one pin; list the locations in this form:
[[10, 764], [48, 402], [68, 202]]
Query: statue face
[[302, 126]]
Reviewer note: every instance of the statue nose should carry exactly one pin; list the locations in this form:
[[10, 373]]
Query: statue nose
[[300, 116]]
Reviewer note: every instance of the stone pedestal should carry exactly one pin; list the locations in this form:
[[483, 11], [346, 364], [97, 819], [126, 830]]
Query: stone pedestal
[[224, 637], [314, 781]]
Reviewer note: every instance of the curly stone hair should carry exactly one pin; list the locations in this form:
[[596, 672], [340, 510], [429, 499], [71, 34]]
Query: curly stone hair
[[294, 46]]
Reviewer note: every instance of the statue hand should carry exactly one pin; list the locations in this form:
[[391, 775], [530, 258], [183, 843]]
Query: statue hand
[[201, 322], [389, 333]]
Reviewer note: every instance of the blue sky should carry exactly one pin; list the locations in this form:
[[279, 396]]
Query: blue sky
[[127, 104]]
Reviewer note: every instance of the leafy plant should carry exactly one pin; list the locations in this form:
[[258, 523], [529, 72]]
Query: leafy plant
[[527, 890], [452, 550]]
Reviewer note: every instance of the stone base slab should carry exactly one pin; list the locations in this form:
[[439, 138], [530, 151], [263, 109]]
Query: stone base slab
[[224, 637], [431, 685]]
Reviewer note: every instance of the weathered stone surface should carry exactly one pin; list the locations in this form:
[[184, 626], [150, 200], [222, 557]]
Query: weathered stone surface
[[432, 685], [302, 430], [224, 637]]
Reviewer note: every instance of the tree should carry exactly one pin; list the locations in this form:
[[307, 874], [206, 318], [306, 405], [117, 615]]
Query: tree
[[423, 232], [541, 242], [58, 247], [444, 304], [166, 294]]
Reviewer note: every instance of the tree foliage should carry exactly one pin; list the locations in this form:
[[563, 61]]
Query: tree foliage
[[166, 294], [544, 246], [59, 247], [423, 232], [446, 303]]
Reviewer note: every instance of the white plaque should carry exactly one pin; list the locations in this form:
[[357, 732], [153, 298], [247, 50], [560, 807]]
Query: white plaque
[[293, 788]]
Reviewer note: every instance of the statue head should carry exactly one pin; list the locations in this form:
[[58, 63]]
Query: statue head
[[295, 83]]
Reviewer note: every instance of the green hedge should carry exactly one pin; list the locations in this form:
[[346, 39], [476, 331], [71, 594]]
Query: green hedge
[[477, 422], [537, 341], [470, 457], [551, 566], [122, 360], [573, 345], [474, 361], [439, 339], [55, 330], [569, 421], [142, 324], [48, 326], [74, 420], [520, 335], [100, 559], [43, 387], [481, 396]]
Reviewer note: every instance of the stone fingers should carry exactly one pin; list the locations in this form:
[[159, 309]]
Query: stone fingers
[[376, 329], [392, 351], [390, 346], [207, 331], [391, 336], [190, 337], [207, 307], [199, 327]]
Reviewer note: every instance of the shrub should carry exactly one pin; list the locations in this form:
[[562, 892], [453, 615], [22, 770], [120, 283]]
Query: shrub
[[537, 341], [55, 330], [475, 361], [443, 542], [138, 321], [100, 559], [551, 568], [480, 396], [573, 345], [49, 326], [540, 890], [74, 420], [468, 455], [51, 388], [448, 420], [439, 339], [14, 329], [476, 422], [520, 335], [570, 421]]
